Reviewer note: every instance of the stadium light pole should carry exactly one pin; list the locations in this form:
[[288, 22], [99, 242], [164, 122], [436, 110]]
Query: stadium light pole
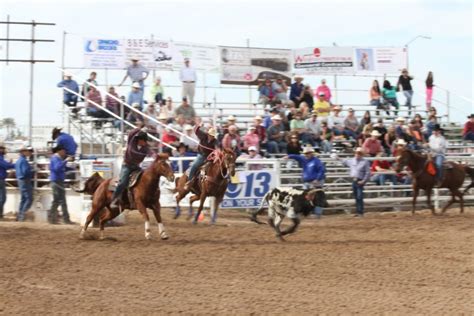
[[411, 41]]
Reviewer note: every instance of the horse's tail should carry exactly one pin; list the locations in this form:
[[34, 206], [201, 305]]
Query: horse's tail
[[253, 216], [470, 173]]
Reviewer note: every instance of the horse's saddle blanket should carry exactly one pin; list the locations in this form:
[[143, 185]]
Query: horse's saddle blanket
[[132, 180]]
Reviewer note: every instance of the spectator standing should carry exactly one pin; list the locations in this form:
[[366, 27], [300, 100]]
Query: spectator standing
[[314, 172], [322, 106], [404, 85], [389, 94], [429, 90], [136, 95], [187, 111], [280, 89], [4, 166], [297, 90], [69, 98], [57, 167], [276, 134], [157, 92], [137, 73], [360, 174], [65, 141], [323, 88], [24, 176], [87, 84], [438, 145], [308, 97], [188, 77], [375, 95], [372, 145], [251, 139], [468, 131]]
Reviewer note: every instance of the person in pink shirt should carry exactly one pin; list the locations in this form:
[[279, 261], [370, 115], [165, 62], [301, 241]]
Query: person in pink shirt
[[325, 89], [231, 140], [251, 139], [372, 145]]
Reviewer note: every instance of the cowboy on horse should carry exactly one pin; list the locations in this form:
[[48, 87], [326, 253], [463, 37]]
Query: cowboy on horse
[[137, 150], [437, 144], [207, 144]]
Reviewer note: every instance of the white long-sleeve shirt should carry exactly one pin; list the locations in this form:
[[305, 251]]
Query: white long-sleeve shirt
[[438, 144], [187, 74]]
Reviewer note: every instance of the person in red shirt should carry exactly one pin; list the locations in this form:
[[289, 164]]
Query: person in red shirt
[[381, 171], [372, 145], [468, 132], [169, 137]]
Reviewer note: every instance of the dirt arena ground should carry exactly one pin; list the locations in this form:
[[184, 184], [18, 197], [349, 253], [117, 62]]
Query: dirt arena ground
[[384, 263]]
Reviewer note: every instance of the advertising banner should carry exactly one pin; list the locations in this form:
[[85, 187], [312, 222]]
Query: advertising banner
[[201, 56], [380, 60], [251, 189], [250, 66], [104, 53], [323, 60]]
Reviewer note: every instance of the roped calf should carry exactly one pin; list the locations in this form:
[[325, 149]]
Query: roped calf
[[290, 203]]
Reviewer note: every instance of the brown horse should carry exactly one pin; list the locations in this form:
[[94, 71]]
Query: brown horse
[[453, 178], [213, 183], [146, 194]]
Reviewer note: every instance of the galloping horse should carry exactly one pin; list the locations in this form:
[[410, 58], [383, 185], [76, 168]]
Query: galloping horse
[[453, 178], [213, 183], [146, 194]]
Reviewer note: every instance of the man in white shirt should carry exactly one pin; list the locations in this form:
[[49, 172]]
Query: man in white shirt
[[336, 122], [438, 144], [188, 77], [313, 129]]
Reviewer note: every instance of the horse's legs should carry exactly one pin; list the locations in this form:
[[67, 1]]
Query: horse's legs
[[192, 199], [161, 228], [217, 201], [142, 209], [202, 198], [454, 193], [428, 201], [416, 191], [179, 197]]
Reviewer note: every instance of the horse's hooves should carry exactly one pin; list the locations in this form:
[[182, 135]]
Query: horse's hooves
[[164, 236], [148, 236], [194, 222], [189, 217], [280, 238]]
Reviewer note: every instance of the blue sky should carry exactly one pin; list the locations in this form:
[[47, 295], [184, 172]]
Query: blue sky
[[278, 24]]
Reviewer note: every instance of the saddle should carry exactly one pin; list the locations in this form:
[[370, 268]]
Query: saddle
[[134, 177]]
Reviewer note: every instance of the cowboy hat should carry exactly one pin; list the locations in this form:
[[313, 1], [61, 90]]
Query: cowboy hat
[[135, 104], [136, 85], [337, 108], [276, 117], [26, 148], [298, 77], [134, 58], [308, 149], [162, 116], [231, 118], [400, 119], [188, 127], [258, 117], [375, 133], [400, 142], [211, 131]]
